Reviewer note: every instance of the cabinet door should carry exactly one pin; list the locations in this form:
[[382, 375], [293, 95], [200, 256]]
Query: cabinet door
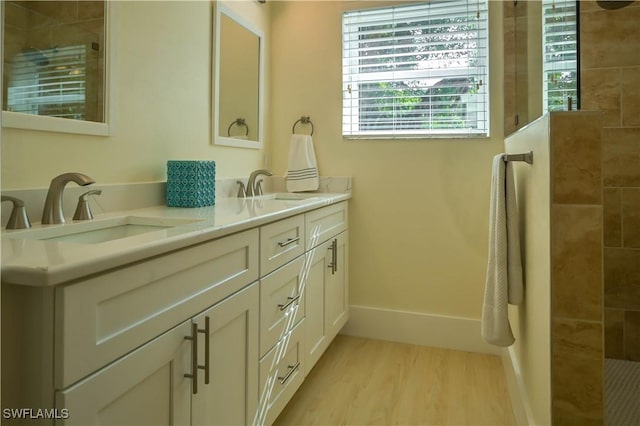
[[336, 287], [326, 296], [231, 396], [146, 387], [316, 340]]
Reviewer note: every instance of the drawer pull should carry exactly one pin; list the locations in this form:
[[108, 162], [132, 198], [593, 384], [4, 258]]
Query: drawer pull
[[291, 300], [292, 368], [289, 241]]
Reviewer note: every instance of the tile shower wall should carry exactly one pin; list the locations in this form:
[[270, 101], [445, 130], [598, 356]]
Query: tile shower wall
[[610, 72]]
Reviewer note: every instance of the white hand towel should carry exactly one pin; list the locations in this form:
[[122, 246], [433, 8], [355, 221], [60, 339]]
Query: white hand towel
[[303, 168], [504, 268]]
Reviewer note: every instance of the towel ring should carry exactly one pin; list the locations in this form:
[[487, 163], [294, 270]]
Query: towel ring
[[302, 120], [238, 122]]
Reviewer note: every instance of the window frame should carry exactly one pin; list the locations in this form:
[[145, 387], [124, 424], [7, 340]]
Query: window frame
[[350, 100]]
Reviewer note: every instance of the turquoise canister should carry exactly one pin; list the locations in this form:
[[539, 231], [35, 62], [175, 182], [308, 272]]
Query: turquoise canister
[[191, 183]]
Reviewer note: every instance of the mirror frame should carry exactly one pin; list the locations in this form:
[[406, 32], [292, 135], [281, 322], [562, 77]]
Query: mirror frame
[[63, 125], [218, 139]]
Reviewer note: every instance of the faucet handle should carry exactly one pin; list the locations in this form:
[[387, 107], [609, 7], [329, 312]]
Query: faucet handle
[[258, 189], [19, 219], [242, 192], [83, 210]]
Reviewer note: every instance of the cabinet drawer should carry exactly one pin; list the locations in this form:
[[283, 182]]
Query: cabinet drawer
[[101, 318], [281, 242], [325, 223], [281, 303], [281, 374]]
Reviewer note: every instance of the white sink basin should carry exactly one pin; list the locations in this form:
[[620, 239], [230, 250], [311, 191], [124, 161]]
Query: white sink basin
[[288, 196], [100, 230]]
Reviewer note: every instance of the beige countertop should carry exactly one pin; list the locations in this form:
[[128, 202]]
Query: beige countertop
[[28, 259]]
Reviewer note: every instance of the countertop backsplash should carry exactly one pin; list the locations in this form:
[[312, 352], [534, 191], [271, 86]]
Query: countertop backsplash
[[128, 196]]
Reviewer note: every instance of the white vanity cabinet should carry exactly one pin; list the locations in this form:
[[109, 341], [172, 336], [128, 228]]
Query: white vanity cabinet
[[304, 304], [114, 348], [151, 385], [217, 333]]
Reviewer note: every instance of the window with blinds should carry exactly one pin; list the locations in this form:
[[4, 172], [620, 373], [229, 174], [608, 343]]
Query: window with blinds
[[50, 82], [416, 70], [560, 63]]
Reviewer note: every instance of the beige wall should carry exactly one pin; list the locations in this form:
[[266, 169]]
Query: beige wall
[[418, 219], [162, 105], [530, 355]]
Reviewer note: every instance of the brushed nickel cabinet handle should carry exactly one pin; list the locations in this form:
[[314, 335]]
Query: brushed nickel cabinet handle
[[334, 256], [291, 300], [288, 242], [292, 368], [206, 367], [194, 358]]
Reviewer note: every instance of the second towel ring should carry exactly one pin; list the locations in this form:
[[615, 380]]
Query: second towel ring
[[238, 122], [302, 120]]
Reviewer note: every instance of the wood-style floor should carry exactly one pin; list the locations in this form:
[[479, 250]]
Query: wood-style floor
[[371, 382]]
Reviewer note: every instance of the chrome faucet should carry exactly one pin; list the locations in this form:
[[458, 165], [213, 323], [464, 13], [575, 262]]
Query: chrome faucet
[[253, 187], [53, 212]]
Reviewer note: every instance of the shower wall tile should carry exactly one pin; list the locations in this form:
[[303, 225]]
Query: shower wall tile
[[622, 278], [621, 156], [631, 217], [63, 11], [90, 9], [612, 204], [613, 333], [630, 94], [632, 335], [600, 91], [576, 158], [607, 36], [576, 259], [577, 373]]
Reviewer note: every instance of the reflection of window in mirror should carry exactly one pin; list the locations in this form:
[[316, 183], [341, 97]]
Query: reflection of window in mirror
[[560, 55], [54, 61]]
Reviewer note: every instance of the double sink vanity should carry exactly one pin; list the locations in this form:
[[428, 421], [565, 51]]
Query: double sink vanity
[[161, 316]]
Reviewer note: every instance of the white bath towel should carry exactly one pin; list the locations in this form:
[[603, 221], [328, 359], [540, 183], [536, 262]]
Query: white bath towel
[[303, 168], [504, 268]]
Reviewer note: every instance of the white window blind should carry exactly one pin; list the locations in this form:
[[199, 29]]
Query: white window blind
[[416, 70], [49, 82], [560, 63]]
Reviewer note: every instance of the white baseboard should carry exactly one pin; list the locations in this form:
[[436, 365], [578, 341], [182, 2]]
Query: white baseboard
[[519, 401], [417, 328]]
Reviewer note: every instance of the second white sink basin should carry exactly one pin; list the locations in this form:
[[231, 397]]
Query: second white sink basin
[[289, 196], [100, 230]]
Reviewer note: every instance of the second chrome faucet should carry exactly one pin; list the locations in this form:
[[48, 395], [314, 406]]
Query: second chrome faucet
[[253, 187]]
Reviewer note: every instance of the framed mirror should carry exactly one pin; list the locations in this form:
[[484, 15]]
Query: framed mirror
[[238, 81], [55, 74]]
